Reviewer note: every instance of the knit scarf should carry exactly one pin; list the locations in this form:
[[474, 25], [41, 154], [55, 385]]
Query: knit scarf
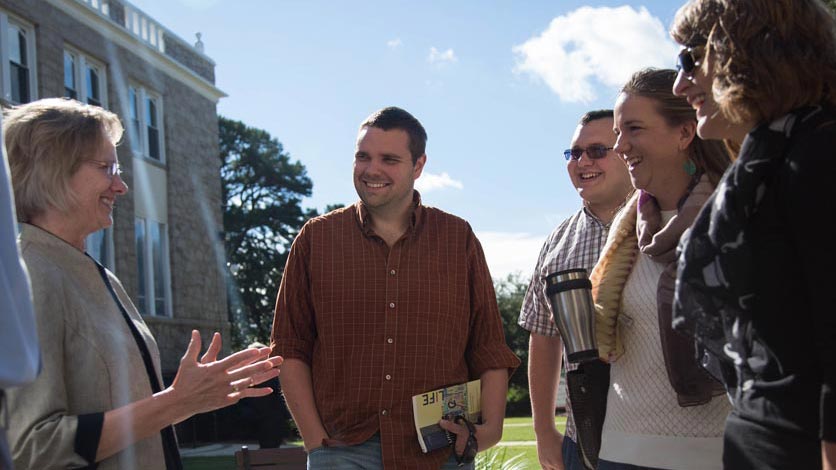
[[639, 228]]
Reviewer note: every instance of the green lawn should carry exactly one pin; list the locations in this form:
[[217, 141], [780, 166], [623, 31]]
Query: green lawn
[[516, 430]]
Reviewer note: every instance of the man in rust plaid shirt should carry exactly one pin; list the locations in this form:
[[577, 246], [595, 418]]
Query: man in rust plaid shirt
[[381, 301]]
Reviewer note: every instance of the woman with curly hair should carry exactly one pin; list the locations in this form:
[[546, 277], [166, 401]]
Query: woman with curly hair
[[663, 410], [755, 270]]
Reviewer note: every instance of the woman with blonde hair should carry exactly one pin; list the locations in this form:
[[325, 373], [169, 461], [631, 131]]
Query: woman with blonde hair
[[98, 401], [755, 272], [663, 410]]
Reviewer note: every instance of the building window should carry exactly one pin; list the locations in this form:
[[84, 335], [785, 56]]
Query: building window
[[153, 285], [84, 79], [146, 119], [100, 247], [17, 60]]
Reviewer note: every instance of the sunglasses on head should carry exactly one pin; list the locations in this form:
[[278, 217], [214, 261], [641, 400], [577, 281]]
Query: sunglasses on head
[[689, 58], [594, 152]]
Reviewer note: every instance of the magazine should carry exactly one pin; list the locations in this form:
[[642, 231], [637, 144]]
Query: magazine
[[448, 402]]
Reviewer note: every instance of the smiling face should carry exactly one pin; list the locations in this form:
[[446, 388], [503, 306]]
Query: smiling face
[[655, 151], [95, 192], [697, 89], [384, 175], [602, 183]]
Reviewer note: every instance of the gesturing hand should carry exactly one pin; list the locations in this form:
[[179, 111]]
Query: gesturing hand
[[209, 384]]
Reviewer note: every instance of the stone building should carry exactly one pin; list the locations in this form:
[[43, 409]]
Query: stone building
[[164, 244]]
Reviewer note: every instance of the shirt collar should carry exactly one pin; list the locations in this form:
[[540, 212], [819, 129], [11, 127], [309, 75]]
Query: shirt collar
[[364, 218]]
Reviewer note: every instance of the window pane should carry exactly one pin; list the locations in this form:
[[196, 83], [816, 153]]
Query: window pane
[[159, 278], [93, 95], [69, 76], [153, 143], [153, 131], [139, 236], [19, 72], [17, 45], [97, 246], [151, 112]]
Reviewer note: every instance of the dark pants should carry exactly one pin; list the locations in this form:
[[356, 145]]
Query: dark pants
[[571, 455]]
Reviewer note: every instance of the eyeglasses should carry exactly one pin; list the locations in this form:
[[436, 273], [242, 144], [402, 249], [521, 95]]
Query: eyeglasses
[[689, 58], [594, 152], [111, 168]]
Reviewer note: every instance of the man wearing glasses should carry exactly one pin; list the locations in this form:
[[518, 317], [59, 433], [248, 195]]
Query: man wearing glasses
[[603, 183]]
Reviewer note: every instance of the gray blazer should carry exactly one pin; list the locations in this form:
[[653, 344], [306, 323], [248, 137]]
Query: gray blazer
[[91, 363]]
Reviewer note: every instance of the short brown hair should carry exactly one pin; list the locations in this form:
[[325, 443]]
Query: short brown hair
[[709, 156], [46, 141], [772, 56], [393, 117]]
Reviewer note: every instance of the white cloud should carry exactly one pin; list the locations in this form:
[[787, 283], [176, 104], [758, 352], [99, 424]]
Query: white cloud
[[511, 253], [438, 57], [394, 43], [430, 182], [590, 46]]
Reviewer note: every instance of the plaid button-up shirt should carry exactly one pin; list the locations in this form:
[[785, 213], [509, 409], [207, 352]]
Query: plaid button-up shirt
[[575, 243], [378, 325]]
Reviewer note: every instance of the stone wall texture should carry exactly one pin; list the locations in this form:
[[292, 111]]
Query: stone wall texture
[[192, 165]]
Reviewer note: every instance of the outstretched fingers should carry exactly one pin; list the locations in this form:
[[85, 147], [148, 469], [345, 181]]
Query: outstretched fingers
[[193, 349], [262, 368], [213, 350], [242, 358]]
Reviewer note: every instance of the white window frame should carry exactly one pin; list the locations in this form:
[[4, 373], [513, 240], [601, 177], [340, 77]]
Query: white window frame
[[147, 259], [83, 63], [139, 143], [5, 70]]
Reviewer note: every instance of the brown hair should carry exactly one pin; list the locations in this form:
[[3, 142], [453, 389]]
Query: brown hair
[[396, 118], [710, 156], [46, 141], [771, 56]]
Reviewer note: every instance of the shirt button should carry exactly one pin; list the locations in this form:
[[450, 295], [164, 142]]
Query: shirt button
[[388, 377], [392, 272], [390, 340], [384, 412], [392, 305]]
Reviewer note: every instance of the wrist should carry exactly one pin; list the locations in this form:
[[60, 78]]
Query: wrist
[[488, 435], [171, 400], [545, 429]]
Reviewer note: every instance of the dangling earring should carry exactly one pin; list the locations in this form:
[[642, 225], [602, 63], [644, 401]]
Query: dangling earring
[[690, 167]]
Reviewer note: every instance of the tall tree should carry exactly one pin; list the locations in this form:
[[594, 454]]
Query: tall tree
[[510, 293], [262, 213]]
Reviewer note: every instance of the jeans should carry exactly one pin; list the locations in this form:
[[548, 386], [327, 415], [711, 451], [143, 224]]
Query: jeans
[[365, 456], [571, 455]]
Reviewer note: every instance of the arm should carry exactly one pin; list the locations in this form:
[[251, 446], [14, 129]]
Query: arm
[[494, 395], [816, 255], [293, 336], [298, 393], [544, 363], [199, 387]]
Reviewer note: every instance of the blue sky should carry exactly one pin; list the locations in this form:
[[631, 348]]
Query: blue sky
[[499, 86]]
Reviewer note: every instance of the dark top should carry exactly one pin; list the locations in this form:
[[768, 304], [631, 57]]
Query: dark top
[[767, 268]]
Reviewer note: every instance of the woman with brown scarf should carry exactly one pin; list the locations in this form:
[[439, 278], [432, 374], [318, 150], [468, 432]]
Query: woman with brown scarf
[[663, 411]]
